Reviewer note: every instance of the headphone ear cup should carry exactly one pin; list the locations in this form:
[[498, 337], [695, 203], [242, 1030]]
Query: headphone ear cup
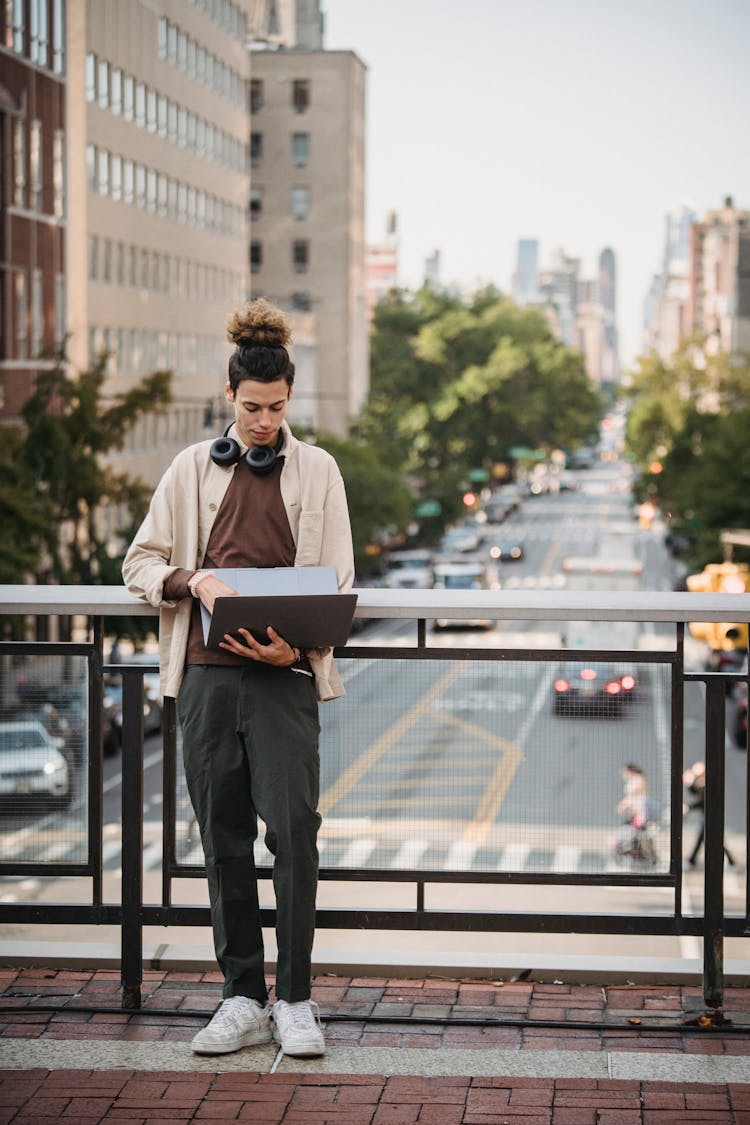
[[225, 451], [261, 459]]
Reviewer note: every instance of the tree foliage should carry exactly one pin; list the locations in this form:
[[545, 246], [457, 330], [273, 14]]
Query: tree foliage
[[57, 480], [456, 384], [687, 429]]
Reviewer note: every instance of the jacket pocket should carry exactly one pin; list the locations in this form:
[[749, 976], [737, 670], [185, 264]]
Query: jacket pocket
[[310, 539]]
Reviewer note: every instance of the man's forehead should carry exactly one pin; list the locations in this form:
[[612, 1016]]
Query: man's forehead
[[266, 394]]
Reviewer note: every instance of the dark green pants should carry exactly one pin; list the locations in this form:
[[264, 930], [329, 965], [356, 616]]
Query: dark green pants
[[250, 746]]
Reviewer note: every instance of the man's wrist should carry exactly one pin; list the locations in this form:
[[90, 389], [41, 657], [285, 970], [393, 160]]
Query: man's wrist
[[196, 579]]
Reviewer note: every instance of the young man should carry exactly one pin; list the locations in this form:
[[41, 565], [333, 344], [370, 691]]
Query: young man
[[255, 498]]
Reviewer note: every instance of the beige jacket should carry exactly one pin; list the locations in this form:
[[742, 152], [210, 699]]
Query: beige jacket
[[176, 530]]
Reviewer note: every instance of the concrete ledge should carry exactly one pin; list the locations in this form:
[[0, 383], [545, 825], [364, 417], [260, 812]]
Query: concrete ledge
[[550, 968]]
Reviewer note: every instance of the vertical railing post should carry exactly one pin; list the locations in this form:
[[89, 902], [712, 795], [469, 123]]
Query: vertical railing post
[[131, 934], [713, 899]]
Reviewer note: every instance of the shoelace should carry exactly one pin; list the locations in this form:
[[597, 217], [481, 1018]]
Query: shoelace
[[302, 1016], [230, 1013]]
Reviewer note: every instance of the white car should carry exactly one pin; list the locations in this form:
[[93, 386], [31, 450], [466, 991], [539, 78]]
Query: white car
[[409, 570], [465, 576], [31, 762]]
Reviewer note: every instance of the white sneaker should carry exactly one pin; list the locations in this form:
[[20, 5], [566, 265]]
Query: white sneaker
[[239, 1022], [297, 1028]]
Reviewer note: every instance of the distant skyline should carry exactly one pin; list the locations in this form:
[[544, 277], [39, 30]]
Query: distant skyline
[[579, 123]]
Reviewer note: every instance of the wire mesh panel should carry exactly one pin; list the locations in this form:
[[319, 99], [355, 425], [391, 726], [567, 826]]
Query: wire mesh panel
[[44, 722], [474, 766]]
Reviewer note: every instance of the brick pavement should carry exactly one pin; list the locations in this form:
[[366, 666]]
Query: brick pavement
[[526, 1027]]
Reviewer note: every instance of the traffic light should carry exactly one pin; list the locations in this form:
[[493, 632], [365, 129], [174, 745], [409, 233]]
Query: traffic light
[[720, 578], [469, 499]]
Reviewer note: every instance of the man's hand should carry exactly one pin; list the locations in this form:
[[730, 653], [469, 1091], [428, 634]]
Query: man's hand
[[278, 652], [209, 588]]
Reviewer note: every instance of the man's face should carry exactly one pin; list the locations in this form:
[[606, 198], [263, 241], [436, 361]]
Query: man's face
[[259, 409]]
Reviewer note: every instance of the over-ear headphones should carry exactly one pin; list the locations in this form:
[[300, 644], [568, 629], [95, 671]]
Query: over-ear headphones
[[260, 459]]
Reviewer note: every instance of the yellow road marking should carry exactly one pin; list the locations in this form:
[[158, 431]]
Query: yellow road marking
[[489, 806], [351, 776]]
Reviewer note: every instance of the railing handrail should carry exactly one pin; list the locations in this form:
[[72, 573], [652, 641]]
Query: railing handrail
[[510, 605]]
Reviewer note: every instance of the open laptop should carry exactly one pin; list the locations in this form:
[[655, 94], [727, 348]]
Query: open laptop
[[302, 604]]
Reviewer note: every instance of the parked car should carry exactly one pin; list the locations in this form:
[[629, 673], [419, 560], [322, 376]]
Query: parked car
[[461, 540], [152, 707], [32, 764], [588, 689]]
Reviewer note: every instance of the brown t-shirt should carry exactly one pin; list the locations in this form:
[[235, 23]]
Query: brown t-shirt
[[251, 529]]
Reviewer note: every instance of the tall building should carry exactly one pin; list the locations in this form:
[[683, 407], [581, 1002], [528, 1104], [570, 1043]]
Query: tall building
[[559, 287], [703, 288], [33, 207], [433, 270], [525, 282], [607, 302], [719, 303], [666, 309], [158, 191], [382, 265], [307, 203]]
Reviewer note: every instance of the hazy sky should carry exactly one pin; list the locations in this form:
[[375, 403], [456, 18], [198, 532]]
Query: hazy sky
[[577, 122]]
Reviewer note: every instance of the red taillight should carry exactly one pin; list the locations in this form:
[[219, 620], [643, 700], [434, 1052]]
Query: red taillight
[[588, 674], [613, 688], [628, 682], [561, 685]]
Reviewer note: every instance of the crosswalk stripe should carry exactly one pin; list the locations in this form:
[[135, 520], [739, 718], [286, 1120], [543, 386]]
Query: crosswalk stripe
[[152, 856], [357, 854], [566, 859], [513, 857], [408, 855], [460, 855]]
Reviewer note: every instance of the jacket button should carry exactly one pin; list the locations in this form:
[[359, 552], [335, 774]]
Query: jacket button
[[212, 507]]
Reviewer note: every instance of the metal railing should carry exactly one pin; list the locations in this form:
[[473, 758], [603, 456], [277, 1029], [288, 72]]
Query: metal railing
[[131, 914]]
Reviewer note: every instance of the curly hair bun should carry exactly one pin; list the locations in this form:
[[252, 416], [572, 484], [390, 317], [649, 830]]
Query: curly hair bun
[[259, 323]]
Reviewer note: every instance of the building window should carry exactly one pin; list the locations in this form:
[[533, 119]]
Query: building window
[[162, 37], [300, 95], [161, 116], [256, 148], [256, 256], [116, 91], [300, 255], [35, 164], [128, 179], [22, 313], [128, 97], [93, 257], [301, 302], [37, 316], [256, 95], [39, 33], [115, 172], [59, 309], [140, 104], [119, 263], [58, 173], [103, 171], [300, 202], [58, 37], [91, 167], [102, 83], [140, 186], [19, 26], [300, 149], [19, 162], [107, 260], [151, 110], [256, 202], [90, 77]]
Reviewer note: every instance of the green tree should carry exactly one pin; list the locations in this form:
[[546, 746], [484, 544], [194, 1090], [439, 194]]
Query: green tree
[[456, 384], [687, 429], [69, 428], [377, 495]]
